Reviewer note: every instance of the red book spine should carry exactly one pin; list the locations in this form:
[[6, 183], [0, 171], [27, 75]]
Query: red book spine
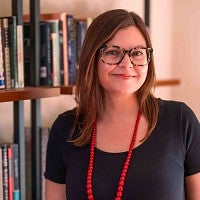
[[10, 174]]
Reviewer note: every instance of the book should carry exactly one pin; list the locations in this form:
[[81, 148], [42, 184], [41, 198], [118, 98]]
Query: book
[[16, 187], [12, 28], [1, 176], [81, 28], [71, 35], [27, 53], [45, 54], [5, 171], [10, 173], [2, 77], [6, 50], [20, 56], [55, 45]]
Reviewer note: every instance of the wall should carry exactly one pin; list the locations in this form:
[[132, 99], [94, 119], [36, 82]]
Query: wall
[[161, 32], [186, 61]]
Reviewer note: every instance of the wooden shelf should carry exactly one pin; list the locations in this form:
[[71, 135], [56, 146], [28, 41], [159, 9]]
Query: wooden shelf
[[28, 93], [67, 89], [167, 82]]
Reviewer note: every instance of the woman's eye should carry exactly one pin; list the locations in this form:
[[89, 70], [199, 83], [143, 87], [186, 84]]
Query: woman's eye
[[136, 53], [112, 52]]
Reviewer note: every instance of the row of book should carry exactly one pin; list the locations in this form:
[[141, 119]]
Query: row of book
[[9, 172], [62, 37], [9, 167], [11, 53], [61, 40]]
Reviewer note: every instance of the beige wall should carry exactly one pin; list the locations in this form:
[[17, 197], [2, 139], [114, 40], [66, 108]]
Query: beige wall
[[173, 30], [186, 60]]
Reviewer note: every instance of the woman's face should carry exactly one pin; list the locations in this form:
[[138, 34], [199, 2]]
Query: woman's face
[[124, 77]]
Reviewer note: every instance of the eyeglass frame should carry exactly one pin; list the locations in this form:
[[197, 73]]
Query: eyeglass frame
[[150, 50]]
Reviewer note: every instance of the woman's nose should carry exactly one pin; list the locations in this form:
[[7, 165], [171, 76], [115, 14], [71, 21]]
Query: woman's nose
[[126, 61]]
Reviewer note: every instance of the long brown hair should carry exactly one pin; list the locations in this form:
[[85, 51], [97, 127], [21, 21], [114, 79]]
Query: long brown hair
[[89, 94]]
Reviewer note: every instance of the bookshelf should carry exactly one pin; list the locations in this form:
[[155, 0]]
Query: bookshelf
[[34, 94]]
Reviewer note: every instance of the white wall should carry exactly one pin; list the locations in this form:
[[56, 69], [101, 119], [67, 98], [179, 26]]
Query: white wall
[[161, 32], [186, 61]]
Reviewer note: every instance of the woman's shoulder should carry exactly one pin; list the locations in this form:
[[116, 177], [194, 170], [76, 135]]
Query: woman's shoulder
[[66, 118], [64, 122], [177, 109]]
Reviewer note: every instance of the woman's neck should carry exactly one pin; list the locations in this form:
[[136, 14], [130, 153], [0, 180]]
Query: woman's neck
[[120, 107]]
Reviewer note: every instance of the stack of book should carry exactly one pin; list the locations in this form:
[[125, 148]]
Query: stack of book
[[62, 37], [11, 53], [9, 172]]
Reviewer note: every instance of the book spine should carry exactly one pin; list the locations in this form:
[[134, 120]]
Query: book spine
[[71, 34], [20, 56], [5, 171], [13, 50], [6, 51], [10, 173], [61, 59], [16, 188], [81, 27], [65, 49], [1, 176], [55, 51], [27, 53], [2, 77], [45, 52]]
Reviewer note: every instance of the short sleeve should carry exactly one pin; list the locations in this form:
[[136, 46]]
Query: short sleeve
[[55, 164], [192, 141]]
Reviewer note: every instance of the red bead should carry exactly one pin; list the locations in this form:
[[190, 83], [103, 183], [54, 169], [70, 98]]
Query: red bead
[[121, 183], [123, 174], [89, 186], [119, 194], [90, 197], [89, 191], [120, 189]]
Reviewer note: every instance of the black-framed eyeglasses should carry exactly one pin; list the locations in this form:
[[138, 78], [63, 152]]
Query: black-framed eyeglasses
[[113, 55]]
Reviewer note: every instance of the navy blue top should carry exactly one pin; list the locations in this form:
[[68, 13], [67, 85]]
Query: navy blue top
[[157, 169]]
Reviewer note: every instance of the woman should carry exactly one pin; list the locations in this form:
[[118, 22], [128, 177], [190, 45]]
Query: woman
[[121, 142]]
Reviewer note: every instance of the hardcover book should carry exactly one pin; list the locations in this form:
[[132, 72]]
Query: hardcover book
[[2, 77], [1, 176], [12, 28], [4, 148], [6, 50]]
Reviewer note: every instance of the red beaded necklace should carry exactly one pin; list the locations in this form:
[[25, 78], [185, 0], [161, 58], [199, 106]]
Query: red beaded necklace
[[125, 167]]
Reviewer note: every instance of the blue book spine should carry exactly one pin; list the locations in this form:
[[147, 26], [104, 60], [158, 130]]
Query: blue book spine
[[71, 35], [16, 195]]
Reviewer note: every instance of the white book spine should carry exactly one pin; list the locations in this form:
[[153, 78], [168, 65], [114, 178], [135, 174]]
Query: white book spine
[[20, 55]]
